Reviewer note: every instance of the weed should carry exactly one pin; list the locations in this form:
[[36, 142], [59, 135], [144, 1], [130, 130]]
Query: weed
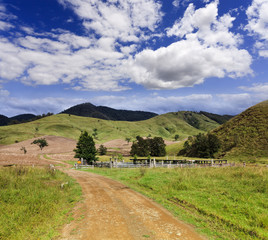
[[142, 171]]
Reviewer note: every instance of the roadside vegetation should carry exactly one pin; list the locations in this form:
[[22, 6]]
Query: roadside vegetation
[[35, 202], [223, 203]]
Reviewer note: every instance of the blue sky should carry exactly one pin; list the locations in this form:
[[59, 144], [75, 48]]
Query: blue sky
[[149, 55]]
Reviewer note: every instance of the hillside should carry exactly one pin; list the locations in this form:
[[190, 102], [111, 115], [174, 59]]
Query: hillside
[[246, 134], [216, 117], [106, 113], [166, 126], [16, 119], [3, 120]]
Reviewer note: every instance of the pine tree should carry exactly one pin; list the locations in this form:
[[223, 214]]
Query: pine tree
[[85, 148]]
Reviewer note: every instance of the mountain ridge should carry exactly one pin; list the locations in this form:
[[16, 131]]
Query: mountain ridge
[[107, 113]]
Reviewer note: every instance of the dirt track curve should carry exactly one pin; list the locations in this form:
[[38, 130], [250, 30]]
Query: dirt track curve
[[112, 211]]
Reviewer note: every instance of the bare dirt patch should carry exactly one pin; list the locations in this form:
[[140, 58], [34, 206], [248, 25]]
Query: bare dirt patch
[[13, 154]]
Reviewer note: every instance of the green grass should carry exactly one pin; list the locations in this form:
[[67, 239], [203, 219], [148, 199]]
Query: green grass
[[245, 137], [223, 203], [174, 148], [33, 204], [166, 126]]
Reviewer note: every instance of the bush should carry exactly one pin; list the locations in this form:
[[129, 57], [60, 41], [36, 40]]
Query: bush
[[102, 150]]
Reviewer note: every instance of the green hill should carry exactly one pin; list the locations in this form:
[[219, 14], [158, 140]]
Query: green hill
[[107, 113], [70, 126], [246, 135]]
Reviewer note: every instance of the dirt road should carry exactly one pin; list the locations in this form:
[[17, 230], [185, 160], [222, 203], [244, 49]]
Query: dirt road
[[113, 211], [110, 210]]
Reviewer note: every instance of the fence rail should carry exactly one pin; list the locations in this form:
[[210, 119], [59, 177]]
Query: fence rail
[[115, 164]]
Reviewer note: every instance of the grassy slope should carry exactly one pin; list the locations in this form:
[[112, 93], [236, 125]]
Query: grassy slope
[[32, 203], [246, 135], [166, 126], [223, 203]]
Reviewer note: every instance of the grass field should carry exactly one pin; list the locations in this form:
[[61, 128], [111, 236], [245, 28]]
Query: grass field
[[223, 203], [166, 126], [33, 204]]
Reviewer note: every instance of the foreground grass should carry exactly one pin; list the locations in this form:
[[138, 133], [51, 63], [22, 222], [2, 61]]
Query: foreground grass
[[33, 204], [223, 203]]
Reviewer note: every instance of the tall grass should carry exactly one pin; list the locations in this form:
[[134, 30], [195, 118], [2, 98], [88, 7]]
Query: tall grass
[[34, 202], [223, 203]]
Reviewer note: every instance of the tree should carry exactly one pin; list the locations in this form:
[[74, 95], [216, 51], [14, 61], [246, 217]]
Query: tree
[[85, 148], [157, 147], [204, 146], [41, 142], [102, 150], [150, 146], [176, 137]]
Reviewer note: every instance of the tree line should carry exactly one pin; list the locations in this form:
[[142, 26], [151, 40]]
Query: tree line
[[202, 145]]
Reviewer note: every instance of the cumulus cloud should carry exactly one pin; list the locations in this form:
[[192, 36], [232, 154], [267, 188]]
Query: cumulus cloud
[[258, 24], [121, 19], [67, 59], [206, 49], [89, 62]]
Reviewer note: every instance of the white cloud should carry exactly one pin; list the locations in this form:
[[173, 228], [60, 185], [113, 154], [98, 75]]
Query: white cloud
[[93, 62], [4, 26], [176, 3], [14, 106], [5, 17], [123, 20], [4, 93], [215, 103], [207, 49], [68, 58], [258, 24], [258, 91], [257, 88]]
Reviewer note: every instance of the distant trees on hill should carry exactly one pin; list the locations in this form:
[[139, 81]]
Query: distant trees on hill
[[151, 146], [203, 146], [23, 118]]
